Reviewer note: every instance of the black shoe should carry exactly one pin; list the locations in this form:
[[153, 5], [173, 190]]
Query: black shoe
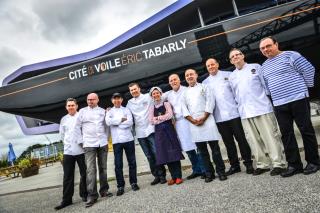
[[203, 176], [193, 175], [106, 194], [90, 203], [290, 171], [250, 170], [222, 177], [135, 187], [120, 191], [310, 168], [62, 205], [233, 170], [84, 199], [155, 181], [208, 179], [276, 171], [163, 180], [259, 171]]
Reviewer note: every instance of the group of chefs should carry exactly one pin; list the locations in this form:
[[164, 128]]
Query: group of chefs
[[255, 105]]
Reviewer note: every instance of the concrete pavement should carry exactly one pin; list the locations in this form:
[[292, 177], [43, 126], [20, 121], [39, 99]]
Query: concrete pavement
[[240, 193], [51, 176]]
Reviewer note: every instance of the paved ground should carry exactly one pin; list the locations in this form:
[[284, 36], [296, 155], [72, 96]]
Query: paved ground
[[240, 193], [52, 175]]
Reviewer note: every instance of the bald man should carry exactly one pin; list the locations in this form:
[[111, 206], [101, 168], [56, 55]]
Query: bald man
[[227, 117], [197, 107], [174, 97], [91, 125]]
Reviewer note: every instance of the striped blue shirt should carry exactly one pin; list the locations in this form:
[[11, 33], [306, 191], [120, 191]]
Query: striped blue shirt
[[287, 76]]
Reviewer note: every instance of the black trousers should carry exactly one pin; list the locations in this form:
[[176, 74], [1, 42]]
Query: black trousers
[[216, 155], [129, 149], [175, 169], [299, 112], [233, 129], [69, 162]]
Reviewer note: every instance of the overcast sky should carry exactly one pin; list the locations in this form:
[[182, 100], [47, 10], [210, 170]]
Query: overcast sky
[[35, 31]]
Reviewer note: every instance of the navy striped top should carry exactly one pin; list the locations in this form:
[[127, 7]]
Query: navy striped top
[[287, 76]]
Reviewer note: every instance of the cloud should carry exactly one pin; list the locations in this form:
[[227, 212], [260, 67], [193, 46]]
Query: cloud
[[9, 121], [17, 18], [9, 57], [34, 32], [11, 132], [62, 20], [82, 20], [119, 17]]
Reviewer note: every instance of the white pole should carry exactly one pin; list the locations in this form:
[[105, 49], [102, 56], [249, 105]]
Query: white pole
[[236, 12]]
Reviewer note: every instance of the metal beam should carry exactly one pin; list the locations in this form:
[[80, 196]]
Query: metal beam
[[200, 17], [235, 8], [169, 28], [280, 25]]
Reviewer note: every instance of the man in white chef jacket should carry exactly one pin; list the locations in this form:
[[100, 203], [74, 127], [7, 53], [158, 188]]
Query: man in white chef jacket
[[197, 106], [91, 124], [257, 115], [139, 106], [120, 120], [227, 117], [174, 97], [72, 153]]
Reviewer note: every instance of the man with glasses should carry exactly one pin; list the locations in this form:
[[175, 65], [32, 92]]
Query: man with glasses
[[227, 117], [288, 75], [257, 115], [91, 125], [72, 153]]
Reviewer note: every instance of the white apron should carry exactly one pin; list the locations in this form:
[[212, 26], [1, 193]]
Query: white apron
[[198, 100], [184, 135]]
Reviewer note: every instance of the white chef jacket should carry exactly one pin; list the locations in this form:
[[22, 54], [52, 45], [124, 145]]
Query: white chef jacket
[[249, 91], [139, 108], [196, 101], [120, 131], [71, 142], [182, 124], [91, 124], [226, 107]]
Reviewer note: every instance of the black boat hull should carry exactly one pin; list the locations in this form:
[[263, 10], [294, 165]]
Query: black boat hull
[[42, 97]]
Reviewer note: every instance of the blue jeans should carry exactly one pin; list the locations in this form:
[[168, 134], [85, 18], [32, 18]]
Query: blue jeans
[[129, 149], [196, 162], [149, 150]]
